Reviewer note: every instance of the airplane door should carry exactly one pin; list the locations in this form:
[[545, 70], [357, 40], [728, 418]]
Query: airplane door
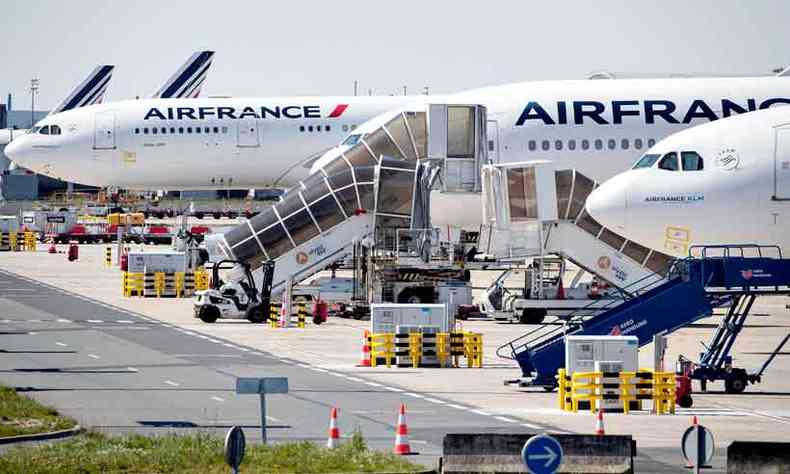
[[782, 165], [104, 131], [492, 137], [248, 133]]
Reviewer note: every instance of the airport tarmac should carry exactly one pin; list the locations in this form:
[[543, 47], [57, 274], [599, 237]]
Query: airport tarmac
[[122, 364]]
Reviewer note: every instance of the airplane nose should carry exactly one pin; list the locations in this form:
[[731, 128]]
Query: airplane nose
[[608, 203], [12, 150]]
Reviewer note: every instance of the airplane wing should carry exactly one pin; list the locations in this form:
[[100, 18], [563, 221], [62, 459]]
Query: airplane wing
[[188, 79], [88, 92]]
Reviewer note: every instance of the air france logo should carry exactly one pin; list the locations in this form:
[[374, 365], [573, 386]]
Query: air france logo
[[580, 112], [263, 112]]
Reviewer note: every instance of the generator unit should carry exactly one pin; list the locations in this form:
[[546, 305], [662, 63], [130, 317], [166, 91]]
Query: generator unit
[[385, 317], [602, 354]]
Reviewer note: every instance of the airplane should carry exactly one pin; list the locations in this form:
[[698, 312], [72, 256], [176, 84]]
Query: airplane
[[88, 92], [186, 82], [598, 127], [726, 182]]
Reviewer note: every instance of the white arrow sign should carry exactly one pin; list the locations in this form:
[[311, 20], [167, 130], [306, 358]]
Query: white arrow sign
[[550, 456]]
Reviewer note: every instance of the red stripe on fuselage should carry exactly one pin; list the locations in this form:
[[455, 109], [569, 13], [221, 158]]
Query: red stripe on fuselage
[[339, 109]]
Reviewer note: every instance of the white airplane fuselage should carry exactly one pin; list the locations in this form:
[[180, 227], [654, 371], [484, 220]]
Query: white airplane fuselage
[[598, 127], [742, 194]]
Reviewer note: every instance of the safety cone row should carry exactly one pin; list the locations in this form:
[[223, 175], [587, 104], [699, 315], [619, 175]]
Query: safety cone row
[[402, 433], [334, 432], [599, 431], [365, 362]]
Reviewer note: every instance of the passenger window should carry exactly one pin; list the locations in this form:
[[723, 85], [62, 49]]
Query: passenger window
[[181, 130], [532, 145], [173, 130], [310, 128], [145, 130], [164, 131], [638, 143], [136, 131], [326, 128], [345, 128], [317, 128], [197, 129], [545, 145], [189, 129], [624, 144], [558, 145], [651, 142], [612, 144], [44, 130], [207, 130], [599, 144], [669, 162], [572, 144], [224, 129], [585, 144], [154, 130], [301, 128], [216, 129], [691, 161]]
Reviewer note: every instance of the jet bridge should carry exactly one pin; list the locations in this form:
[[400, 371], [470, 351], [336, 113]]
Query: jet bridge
[[382, 181], [530, 209]]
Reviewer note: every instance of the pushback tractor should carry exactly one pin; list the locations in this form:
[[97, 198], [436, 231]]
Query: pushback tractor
[[237, 298]]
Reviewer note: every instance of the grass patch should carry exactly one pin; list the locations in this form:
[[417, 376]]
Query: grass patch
[[202, 453], [21, 415]]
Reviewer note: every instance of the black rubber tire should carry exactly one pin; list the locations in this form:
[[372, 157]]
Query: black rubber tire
[[735, 384], [217, 215], [532, 316], [549, 388], [209, 314], [256, 316], [686, 401]]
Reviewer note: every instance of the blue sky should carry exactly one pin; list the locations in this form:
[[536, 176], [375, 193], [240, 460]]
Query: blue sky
[[277, 48]]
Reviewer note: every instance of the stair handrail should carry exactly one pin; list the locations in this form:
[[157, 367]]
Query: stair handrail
[[674, 269]]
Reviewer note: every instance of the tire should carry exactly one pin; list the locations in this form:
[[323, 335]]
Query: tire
[[532, 316], [549, 388], [255, 315], [686, 401], [217, 215], [735, 383], [209, 314]]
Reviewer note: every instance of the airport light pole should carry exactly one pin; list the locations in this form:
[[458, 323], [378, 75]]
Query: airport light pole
[[33, 92]]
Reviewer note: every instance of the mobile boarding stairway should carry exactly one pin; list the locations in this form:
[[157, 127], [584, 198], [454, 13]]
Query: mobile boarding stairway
[[690, 290], [381, 182]]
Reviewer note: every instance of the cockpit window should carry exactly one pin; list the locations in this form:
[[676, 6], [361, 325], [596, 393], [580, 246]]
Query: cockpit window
[[34, 129], [54, 130], [646, 161], [669, 162], [44, 130], [691, 161], [352, 139]]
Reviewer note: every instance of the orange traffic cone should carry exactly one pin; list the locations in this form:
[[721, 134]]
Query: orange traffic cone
[[334, 432], [599, 431], [402, 433], [694, 421], [52, 247], [365, 362]]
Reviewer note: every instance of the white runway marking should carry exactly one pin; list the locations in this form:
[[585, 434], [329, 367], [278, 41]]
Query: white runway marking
[[415, 395], [93, 356], [228, 345], [32, 333], [63, 320], [94, 321], [61, 344], [505, 419], [530, 425], [125, 321], [214, 341], [373, 384], [481, 412], [354, 379], [218, 399], [457, 407], [393, 389], [132, 369], [305, 366], [170, 382], [434, 400]]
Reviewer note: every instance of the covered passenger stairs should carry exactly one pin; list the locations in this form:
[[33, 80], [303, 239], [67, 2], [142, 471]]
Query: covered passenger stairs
[[690, 290], [381, 182]]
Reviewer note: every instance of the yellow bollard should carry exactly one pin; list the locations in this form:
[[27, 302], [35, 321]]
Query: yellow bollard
[[415, 349], [108, 255], [301, 314], [273, 315]]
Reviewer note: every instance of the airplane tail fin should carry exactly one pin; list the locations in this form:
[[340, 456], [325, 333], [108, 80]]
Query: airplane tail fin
[[88, 92], [188, 79]]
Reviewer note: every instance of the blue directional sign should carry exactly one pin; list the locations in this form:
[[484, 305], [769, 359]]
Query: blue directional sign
[[542, 454]]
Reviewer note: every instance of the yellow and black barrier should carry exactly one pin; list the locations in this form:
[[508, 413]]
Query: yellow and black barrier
[[591, 389], [301, 314], [17, 242], [274, 314], [159, 284], [413, 349], [108, 255]]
